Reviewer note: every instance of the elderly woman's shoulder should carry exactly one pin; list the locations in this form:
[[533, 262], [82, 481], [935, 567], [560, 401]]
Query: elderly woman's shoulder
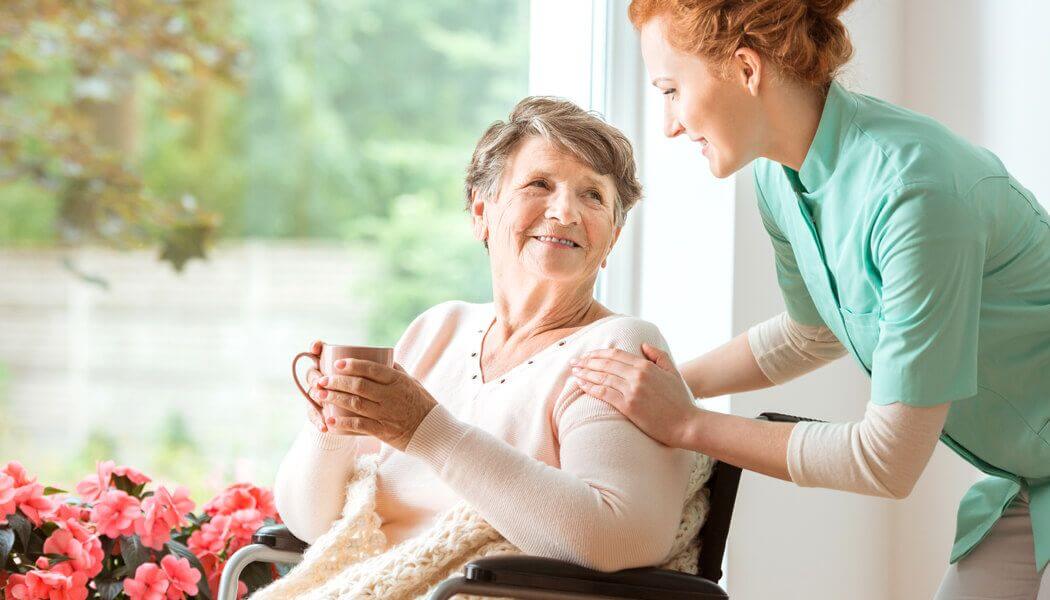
[[452, 315], [625, 332]]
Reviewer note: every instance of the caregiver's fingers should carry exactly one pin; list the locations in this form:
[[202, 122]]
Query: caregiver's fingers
[[613, 354], [600, 378], [608, 365], [602, 392]]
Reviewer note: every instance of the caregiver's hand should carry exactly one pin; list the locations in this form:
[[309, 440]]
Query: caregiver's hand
[[647, 390], [389, 404]]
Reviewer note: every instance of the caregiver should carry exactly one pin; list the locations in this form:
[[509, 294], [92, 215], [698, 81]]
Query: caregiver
[[896, 241]]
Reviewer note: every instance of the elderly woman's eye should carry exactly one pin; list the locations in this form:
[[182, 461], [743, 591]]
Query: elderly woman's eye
[[538, 183], [594, 195]]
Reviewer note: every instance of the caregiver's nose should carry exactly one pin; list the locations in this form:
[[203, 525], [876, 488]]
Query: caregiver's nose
[[672, 128]]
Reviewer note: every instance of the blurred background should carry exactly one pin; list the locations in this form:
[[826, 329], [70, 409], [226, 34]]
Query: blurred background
[[191, 192]]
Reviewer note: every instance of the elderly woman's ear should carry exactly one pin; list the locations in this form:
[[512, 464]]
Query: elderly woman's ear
[[477, 216]]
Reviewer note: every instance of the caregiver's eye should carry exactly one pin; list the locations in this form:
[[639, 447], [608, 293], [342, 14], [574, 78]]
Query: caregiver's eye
[[670, 92]]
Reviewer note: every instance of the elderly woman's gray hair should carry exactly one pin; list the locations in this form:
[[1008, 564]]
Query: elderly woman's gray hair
[[582, 134]]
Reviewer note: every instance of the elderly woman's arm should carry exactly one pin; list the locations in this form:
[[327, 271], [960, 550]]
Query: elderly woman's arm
[[310, 487], [615, 503]]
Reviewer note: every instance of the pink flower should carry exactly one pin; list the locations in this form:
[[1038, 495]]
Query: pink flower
[[16, 588], [211, 537], [115, 513], [60, 582], [240, 496], [213, 566], [84, 551], [159, 516], [150, 583], [183, 577], [7, 496], [183, 504], [28, 495], [63, 512], [93, 486]]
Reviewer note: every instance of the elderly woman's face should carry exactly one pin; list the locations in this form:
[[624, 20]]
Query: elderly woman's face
[[553, 217]]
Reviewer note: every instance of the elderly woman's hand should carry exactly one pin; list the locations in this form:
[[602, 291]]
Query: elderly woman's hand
[[388, 403], [648, 390], [313, 413]]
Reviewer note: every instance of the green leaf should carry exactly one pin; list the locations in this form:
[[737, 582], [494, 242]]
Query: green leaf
[[203, 593], [23, 529], [185, 242], [55, 559], [53, 490], [124, 484], [7, 542], [48, 528], [108, 590], [133, 552], [256, 575]]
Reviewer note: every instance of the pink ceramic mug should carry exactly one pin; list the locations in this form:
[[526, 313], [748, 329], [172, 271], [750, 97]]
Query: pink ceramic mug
[[330, 353]]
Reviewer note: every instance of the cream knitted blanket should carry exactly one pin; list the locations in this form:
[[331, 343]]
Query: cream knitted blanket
[[349, 561]]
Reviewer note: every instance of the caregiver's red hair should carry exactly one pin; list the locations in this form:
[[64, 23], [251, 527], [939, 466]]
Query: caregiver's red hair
[[804, 39]]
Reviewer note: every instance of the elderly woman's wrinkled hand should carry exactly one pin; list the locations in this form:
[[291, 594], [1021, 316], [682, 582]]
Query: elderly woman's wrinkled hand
[[387, 402]]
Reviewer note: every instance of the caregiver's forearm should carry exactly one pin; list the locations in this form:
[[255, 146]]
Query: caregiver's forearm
[[751, 444], [729, 369]]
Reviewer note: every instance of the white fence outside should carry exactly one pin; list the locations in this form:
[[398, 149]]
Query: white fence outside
[[213, 343]]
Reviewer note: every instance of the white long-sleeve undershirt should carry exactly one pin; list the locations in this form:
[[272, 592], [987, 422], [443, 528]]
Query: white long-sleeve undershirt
[[882, 455]]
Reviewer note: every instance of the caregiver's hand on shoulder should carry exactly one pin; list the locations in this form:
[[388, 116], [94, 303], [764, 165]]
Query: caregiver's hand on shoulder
[[647, 389], [387, 402]]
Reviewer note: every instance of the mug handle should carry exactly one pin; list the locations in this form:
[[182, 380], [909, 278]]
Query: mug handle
[[295, 378]]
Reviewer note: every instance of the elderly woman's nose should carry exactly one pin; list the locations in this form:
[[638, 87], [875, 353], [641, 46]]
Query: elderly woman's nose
[[562, 206]]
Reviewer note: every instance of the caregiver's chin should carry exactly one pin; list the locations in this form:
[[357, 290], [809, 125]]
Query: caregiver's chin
[[735, 109]]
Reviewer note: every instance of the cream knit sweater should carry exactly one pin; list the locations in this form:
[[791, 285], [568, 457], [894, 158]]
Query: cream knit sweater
[[520, 462]]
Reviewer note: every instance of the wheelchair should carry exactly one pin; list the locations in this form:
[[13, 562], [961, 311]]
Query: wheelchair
[[537, 578]]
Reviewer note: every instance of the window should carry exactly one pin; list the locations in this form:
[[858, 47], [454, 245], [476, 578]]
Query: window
[[334, 169]]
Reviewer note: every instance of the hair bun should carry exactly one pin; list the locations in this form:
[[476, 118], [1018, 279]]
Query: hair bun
[[828, 9]]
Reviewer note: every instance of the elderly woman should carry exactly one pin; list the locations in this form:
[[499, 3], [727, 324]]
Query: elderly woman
[[481, 406]]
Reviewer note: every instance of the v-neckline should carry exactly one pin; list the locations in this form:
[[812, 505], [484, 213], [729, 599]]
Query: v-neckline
[[482, 333]]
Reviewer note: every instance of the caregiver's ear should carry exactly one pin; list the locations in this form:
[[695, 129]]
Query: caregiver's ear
[[477, 216], [747, 68], [616, 237]]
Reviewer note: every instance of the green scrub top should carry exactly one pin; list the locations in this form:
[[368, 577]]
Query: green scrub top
[[932, 265]]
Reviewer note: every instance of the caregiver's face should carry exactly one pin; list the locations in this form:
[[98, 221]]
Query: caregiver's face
[[716, 112], [553, 217]]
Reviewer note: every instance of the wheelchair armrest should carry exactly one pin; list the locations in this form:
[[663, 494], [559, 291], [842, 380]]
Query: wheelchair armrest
[[279, 537], [782, 418], [559, 576]]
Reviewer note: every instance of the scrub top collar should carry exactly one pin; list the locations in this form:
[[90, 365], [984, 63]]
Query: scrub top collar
[[840, 106]]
